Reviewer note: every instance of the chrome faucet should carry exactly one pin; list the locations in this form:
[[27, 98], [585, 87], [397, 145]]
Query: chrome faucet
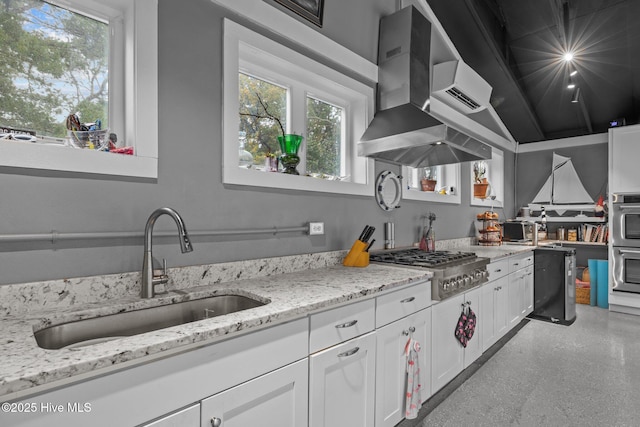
[[149, 280]]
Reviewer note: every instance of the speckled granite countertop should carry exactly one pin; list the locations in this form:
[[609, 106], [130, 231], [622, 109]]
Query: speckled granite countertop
[[292, 286], [497, 252]]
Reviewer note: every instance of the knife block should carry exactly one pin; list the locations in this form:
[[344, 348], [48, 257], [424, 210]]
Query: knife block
[[357, 256]]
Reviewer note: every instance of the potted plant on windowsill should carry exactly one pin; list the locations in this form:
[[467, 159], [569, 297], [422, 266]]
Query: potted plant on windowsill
[[289, 142], [429, 181], [480, 182]]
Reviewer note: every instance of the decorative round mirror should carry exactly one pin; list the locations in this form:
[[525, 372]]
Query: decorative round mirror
[[388, 190]]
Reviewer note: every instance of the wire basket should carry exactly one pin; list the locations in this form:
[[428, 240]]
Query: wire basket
[[92, 139]]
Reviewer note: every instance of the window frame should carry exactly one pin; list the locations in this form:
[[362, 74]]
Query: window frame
[[430, 196], [245, 49], [133, 97], [495, 178]]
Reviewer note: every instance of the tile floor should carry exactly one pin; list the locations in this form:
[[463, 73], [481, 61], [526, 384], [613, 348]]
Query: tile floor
[[586, 374]]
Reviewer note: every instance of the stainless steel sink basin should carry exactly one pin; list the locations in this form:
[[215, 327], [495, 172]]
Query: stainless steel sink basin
[[99, 329]]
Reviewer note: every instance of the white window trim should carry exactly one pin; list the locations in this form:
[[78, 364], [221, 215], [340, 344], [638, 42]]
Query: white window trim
[[238, 38], [430, 196], [496, 183], [141, 103]]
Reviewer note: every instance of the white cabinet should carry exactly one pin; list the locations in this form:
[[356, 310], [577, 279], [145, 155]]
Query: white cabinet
[[188, 417], [276, 399], [448, 356], [391, 363], [520, 288], [528, 291], [342, 384], [166, 385], [494, 311], [624, 152]]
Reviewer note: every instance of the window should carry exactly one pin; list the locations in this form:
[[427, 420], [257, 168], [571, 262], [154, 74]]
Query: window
[[444, 179], [494, 173], [269, 90], [98, 58]]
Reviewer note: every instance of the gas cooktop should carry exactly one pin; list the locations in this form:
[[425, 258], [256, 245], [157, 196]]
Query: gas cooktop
[[453, 272]]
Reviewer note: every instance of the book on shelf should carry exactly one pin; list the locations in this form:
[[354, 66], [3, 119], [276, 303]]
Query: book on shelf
[[594, 233]]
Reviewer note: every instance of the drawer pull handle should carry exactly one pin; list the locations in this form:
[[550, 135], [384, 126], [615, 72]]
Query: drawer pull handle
[[410, 299], [498, 270], [347, 324], [216, 422], [411, 330], [516, 263], [349, 353]]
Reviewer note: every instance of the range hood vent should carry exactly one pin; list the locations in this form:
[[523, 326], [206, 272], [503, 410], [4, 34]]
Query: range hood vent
[[402, 131]]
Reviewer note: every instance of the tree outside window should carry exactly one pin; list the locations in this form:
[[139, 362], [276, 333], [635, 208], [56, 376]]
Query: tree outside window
[[54, 63]]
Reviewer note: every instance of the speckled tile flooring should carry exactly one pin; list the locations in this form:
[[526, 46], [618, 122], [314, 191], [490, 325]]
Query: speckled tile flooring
[[586, 374]]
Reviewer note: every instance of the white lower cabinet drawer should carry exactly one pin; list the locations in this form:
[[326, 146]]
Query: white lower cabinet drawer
[[498, 269], [401, 303], [342, 384], [341, 324], [276, 399]]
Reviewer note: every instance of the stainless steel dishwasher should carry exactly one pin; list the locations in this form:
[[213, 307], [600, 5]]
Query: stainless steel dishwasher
[[554, 289]]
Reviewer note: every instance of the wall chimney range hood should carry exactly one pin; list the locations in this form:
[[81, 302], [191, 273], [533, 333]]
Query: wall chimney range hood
[[402, 131]]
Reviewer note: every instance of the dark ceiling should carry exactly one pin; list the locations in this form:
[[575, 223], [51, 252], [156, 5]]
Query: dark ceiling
[[517, 45]]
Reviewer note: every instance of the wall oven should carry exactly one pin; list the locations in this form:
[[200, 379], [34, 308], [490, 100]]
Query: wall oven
[[625, 220], [625, 242], [626, 269]]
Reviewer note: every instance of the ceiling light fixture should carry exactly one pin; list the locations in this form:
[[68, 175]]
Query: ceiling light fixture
[[573, 72], [576, 96], [571, 83], [568, 56]]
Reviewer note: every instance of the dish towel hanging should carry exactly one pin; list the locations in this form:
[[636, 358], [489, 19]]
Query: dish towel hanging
[[414, 385]]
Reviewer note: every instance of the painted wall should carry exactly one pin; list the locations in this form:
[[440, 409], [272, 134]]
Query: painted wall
[[189, 177], [590, 162]]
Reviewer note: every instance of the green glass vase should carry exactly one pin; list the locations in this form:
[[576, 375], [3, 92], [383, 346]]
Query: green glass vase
[[289, 145]]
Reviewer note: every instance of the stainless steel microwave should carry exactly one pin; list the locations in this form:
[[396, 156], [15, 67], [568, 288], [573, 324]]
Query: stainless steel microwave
[[625, 220]]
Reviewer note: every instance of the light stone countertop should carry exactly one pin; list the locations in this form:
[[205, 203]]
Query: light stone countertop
[[293, 286], [27, 368]]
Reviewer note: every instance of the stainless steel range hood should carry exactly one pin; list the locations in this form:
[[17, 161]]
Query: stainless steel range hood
[[402, 131]]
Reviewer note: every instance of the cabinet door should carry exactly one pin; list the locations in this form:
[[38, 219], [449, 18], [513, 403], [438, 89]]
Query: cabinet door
[[488, 296], [501, 307], [516, 297], [625, 151], [342, 384], [528, 291], [277, 399], [391, 363], [188, 417], [447, 354], [473, 350]]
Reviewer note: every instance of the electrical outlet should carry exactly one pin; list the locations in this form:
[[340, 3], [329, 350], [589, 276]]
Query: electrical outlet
[[316, 228]]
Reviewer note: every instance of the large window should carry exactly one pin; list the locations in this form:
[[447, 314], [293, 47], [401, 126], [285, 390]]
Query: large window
[[76, 71], [269, 90]]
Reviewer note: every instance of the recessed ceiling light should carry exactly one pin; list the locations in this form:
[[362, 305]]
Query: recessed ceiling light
[[571, 83], [573, 72], [568, 56], [576, 96]]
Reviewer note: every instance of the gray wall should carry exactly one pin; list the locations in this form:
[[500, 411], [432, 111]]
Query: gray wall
[[189, 177], [590, 162]]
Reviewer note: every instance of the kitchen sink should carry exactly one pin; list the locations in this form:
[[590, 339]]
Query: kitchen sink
[[94, 330]]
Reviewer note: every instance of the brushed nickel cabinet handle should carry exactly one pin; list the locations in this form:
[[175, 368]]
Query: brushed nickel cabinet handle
[[408, 300], [347, 324], [349, 353]]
